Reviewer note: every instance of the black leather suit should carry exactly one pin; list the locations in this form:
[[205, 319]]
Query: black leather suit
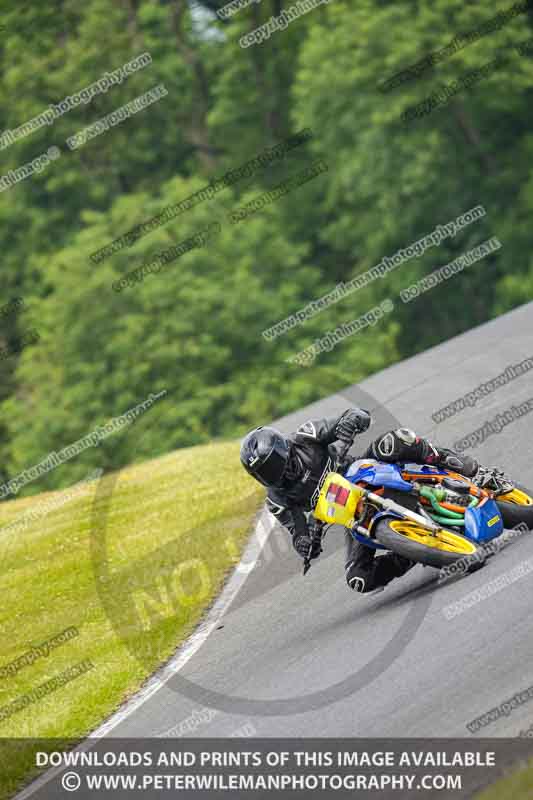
[[364, 570]]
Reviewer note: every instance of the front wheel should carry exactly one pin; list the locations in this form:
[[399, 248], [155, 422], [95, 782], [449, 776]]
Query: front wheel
[[411, 540]]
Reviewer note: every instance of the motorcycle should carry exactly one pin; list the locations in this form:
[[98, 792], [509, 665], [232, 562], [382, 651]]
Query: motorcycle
[[427, 514]]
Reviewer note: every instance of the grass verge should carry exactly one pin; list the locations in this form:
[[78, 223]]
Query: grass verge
[[517, 786], [100, 591]]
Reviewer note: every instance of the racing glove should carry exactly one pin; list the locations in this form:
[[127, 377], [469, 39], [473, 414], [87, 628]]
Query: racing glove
[[353, 421], [302, 543]]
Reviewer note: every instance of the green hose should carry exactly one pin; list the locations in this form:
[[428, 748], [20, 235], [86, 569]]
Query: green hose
[[447, 520], [444, 515], [444, 512]]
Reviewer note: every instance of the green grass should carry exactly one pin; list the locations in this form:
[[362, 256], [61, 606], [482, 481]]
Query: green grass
[[518, 786], [195, 505]]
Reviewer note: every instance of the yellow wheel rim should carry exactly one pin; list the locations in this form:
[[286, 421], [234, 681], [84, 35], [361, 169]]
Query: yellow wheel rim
[[442, 540], [517, 497]]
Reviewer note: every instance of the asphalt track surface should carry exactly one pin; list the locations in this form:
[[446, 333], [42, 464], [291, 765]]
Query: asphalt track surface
[[300, 657], [306, 657]]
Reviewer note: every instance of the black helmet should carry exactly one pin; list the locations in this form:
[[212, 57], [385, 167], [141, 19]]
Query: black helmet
[[265, 454]]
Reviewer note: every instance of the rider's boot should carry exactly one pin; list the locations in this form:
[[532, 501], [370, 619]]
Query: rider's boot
[[442, 457]]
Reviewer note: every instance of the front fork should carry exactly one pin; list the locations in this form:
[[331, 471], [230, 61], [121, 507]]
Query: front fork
[[389, 508], [405, 513]]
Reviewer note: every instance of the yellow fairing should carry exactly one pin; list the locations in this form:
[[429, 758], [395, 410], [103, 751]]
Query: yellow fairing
[[328, 511], [517, 497], [442, 540]]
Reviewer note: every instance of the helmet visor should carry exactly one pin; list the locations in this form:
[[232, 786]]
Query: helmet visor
[[270, 471]]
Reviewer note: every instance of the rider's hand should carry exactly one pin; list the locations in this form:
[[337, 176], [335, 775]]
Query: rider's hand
[[302, 543], [352, 421]]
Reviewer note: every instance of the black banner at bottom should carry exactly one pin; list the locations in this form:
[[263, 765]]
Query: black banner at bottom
[[310, 768]]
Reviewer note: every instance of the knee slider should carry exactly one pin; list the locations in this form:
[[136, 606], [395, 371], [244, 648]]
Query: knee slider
[[356, 583], [386, 446]]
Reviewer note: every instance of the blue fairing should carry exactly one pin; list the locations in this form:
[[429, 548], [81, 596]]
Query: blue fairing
[[477, 521], [481, 524], [377, 473]]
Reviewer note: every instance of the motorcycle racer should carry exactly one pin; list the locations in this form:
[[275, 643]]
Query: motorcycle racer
[[292, 468]]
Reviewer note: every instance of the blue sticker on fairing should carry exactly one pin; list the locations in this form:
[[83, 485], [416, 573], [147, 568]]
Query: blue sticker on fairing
[[377, 473]]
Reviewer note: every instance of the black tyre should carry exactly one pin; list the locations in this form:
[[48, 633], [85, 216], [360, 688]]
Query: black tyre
[[411, 541], [514, 513]]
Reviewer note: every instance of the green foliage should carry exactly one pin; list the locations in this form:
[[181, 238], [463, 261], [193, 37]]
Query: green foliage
[[195, 328]]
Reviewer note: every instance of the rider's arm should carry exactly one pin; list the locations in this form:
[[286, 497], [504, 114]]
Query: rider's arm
[[294, 521], [291, 517]]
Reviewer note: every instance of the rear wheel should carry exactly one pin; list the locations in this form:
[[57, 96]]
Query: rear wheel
[[516, 507], [411, 540]]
